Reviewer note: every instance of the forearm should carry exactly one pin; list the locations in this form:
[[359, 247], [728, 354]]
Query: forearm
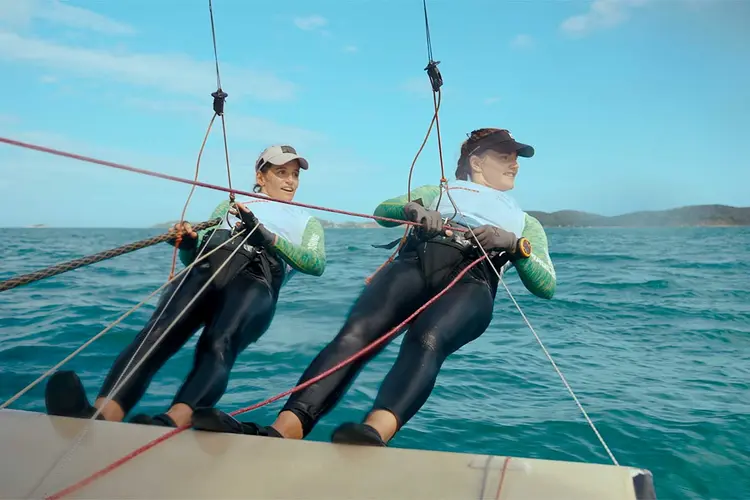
[[309, 257], [537, 271], [394, 208], [188, 246]]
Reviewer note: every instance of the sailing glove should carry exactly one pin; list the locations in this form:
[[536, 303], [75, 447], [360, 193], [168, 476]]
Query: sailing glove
[[261, 237], [494, 238], [431, 221]]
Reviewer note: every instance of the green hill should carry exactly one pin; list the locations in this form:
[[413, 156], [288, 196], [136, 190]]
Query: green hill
[[696, 215]]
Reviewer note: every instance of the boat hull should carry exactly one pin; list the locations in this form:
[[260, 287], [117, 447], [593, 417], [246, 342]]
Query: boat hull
[[196, 464]]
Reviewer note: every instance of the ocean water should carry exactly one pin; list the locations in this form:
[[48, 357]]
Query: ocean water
[[650, 326]]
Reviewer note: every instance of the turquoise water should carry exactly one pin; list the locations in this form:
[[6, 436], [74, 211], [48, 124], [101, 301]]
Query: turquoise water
[[651, 328]]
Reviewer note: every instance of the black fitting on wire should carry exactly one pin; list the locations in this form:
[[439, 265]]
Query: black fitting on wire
[[436, 79], [219, 100]]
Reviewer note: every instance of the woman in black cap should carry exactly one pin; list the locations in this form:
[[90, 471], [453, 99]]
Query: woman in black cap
[[235, 309], [426, 263]]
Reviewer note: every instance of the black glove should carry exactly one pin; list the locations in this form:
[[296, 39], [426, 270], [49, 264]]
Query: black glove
[[494, 238], [431, 221], [261, 237]]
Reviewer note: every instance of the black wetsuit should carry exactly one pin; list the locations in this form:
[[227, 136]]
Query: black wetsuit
[[234, 310], [460, 316]]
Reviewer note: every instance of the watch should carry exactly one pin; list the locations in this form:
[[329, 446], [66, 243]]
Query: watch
[[523, 248]]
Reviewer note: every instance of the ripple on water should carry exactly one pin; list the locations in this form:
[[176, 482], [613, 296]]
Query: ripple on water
[[654, 339]]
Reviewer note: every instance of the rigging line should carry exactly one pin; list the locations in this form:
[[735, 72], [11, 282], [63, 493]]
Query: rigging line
[[117, 388], [52, 370], [424, 142], [226, 155], [536, 336], [219, 100], [91, 259], [362, 352], [218, 106], [174, 178], [111, 395], [213, 35], [408, 197], [436, 82], [187, 202], [427, 30]]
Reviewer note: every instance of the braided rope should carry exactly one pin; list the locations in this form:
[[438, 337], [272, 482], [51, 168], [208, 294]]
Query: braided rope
[[48, 272]]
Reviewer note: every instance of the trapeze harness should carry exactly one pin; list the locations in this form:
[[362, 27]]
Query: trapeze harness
[[441, 258]]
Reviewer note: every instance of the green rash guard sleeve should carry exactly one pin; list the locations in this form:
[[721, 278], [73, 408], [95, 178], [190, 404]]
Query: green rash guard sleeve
[[309, 257], [394, 208], [187, 255], [537, 272]]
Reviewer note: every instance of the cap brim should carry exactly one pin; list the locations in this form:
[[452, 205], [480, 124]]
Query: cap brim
[[286, 158], [523, 150]]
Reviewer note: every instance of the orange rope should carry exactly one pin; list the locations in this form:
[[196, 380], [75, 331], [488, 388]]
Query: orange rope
[[436, 101], [187, 202]]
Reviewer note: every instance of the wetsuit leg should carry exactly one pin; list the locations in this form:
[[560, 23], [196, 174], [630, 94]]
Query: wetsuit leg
[[166, 312], [394, 293], [245, 308], [455, 319]]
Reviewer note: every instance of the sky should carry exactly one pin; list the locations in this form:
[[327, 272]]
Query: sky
[[630, 104]]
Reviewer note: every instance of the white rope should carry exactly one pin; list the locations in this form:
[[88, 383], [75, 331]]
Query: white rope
[[161, 313], [77, 440], [538, 339], [108, 328]]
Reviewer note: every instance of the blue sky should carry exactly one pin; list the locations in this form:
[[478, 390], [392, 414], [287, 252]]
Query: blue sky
[[630, 104]]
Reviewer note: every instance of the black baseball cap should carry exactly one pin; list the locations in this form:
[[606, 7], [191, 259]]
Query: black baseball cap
[[503, 142]]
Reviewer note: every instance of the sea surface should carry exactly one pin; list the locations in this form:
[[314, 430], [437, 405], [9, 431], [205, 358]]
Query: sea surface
[[651, 327]]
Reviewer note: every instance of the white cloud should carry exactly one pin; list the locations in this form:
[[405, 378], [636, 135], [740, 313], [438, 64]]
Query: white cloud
[[491, 100], [601, 14], [23, 12], [168, 72], [351, 48], [522, 42], [310, 23], [420, 86]]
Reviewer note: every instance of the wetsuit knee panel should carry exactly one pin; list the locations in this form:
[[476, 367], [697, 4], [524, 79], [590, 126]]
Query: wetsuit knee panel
[[356, 334], [429, 341]]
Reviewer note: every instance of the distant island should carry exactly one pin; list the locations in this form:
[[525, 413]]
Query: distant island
[[691, 216]]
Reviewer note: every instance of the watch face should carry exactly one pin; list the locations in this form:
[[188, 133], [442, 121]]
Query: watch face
[[525, 247]]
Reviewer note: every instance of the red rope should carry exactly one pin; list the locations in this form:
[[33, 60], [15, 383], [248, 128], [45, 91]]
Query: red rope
[[502, 478], [120, 166], [93, 477]]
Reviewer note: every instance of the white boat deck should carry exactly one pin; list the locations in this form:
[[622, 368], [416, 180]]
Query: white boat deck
[[206, 465]]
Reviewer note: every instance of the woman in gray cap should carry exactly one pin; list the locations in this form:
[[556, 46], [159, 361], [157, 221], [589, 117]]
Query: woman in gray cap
[[235, 309]]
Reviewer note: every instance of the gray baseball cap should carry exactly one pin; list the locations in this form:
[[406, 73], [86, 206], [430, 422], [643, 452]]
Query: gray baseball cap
[[279, 154]]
